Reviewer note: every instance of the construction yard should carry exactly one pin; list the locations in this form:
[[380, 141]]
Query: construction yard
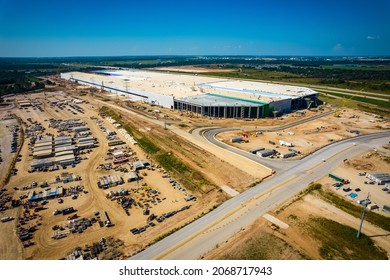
[[89, 176], [322, 222], [58, 202], [305, 138]]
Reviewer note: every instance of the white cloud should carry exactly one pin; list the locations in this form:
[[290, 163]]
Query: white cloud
[[338, 47], [372, 37]]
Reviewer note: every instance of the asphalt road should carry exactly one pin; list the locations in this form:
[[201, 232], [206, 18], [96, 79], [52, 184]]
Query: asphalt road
[[275, 164], [194, 240]]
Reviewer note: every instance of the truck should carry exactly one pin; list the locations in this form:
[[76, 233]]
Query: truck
[[339, 179], [6, 219], [68, 210]]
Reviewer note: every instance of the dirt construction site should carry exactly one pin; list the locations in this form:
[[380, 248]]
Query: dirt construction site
[[307, 137], [305, 227], [81, 187]]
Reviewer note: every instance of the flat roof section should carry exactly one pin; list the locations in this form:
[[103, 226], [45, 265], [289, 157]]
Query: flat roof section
[[216, 100], [179, 86]]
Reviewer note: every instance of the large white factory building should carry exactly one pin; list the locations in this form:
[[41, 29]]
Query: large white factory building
[[208, 96]]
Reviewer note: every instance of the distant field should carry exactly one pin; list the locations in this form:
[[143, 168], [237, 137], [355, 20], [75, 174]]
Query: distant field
[[380, 103], [358, 67], [357, 79]]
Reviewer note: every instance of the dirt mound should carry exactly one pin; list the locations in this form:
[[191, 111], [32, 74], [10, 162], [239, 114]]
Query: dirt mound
[[360, 164]]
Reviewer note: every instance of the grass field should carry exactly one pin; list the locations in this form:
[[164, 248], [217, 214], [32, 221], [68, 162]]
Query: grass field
[[357, 67], [371, 85], [340, 242], [380, 103], [355, 210]]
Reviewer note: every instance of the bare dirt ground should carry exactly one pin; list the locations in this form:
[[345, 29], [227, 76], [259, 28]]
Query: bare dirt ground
[[300, 244], [5, 147], [312, 135]]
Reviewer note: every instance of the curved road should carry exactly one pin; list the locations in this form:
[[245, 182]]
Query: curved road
[[197, 238]]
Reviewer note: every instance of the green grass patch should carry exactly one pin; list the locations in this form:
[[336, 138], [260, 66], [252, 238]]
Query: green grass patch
[[330, 76], [338, 101], [339, 241], [357, 67], [33, 79], [354, 105], [380, 103], [356, 210], [373, 110]]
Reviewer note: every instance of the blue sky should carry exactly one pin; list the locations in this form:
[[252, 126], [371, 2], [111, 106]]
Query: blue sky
[[241, 27]]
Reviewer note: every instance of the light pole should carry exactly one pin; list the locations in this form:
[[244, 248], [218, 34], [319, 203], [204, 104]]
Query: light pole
[[364, 212]]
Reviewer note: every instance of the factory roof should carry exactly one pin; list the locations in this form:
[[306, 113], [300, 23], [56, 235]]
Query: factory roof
[[184, 86], [220, 100]]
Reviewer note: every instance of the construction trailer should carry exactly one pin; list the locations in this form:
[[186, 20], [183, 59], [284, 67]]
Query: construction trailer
[[265, 153], [63, 153], [237, 140], [285, 143], [65, 148], [47, 194], [65, 160], [80, 129], [138, 165], [115, 142], [379, 177], [108, 181], [131, 176], [287, 155], [86, 145], [41, 163], [45, 147], [86, 139], [254, 151], [43, 153]]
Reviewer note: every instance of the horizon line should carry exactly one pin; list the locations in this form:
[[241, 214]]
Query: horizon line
[[198, 55]]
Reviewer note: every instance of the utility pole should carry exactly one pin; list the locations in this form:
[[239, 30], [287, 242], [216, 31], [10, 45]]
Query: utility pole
[[364, 212]]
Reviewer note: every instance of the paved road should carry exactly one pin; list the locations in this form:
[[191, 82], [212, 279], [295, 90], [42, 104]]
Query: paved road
[[277, 165], [192, 241]]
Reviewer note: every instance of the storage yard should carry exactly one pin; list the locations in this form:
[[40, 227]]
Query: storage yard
[[79, 178], [365, 175]]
